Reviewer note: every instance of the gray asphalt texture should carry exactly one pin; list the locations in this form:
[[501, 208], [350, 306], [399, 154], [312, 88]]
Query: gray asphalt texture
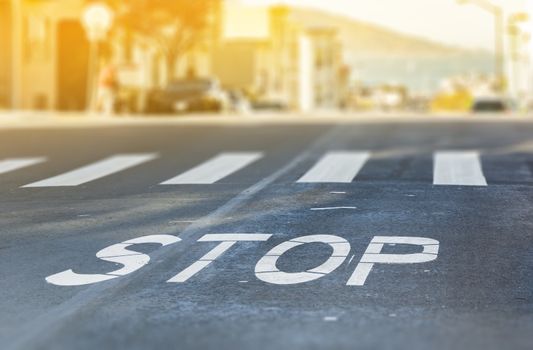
[[478, 293]]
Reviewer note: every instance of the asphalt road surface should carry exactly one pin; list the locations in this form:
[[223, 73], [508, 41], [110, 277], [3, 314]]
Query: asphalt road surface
[[330, 235]]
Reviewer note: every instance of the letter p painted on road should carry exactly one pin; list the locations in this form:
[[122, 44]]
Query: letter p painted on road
[[373, 255]]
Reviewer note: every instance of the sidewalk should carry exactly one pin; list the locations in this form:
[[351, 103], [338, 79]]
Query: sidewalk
[[49, 119]]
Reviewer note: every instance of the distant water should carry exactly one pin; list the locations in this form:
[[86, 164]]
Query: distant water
[[420, 75]]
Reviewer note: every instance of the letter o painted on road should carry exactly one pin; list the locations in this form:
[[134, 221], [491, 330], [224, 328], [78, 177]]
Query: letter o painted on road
[[266, 269]]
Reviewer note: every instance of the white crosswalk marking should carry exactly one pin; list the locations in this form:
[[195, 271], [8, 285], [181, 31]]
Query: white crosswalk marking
[[215, 169], [336, 167], [458, 168], [13, 164], [96, 170]]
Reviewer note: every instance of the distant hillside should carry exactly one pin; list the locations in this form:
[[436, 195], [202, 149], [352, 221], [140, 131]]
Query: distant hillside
[[379, 55], [363, 39]]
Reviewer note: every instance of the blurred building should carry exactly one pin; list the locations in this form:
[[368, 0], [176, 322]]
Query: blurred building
[[5, 54], [327, 82], [46, 72], [44, 64], [288, 64], [45, 61]]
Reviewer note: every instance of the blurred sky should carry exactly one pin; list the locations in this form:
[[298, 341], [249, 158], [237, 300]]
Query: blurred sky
[[440, 20]]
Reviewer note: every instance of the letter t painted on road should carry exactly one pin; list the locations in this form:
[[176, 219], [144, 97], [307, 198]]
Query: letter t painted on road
[[227, 241]]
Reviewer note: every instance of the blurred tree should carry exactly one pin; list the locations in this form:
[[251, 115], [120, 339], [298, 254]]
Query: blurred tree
[[175, 26]]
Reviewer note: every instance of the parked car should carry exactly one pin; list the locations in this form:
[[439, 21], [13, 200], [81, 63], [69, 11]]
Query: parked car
[[269, 105], [189, 95], [490, 105]]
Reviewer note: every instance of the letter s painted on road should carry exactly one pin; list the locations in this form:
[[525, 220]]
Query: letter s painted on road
[[117, 253]]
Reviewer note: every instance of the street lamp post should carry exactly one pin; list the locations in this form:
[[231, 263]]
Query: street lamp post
[[499, 24], [97, 20], [517, 36]]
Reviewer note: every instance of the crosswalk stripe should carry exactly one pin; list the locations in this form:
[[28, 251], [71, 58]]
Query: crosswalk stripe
[[336, 167], [215, 169], [96, 170], [458, 168], [13, 164]]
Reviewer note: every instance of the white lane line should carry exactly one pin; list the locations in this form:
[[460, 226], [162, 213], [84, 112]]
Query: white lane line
[[336, 167], [330, 319], [13, 164], [333, 208], [458, 168], [96, 170], [215, 169]]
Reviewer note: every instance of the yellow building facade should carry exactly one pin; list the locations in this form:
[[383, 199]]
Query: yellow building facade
[[48, 55]]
